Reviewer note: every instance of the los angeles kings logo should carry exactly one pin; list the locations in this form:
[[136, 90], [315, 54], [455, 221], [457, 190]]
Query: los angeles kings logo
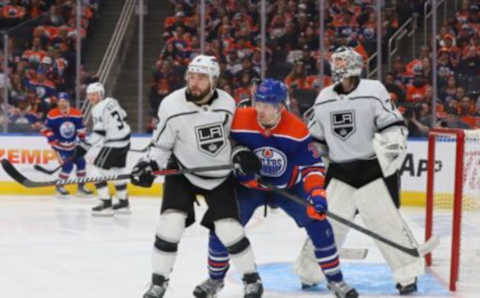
[[343, 123], [210, 138]]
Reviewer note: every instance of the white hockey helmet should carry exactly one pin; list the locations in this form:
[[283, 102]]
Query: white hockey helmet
[[207, 65], [345, 63], [96, 87]]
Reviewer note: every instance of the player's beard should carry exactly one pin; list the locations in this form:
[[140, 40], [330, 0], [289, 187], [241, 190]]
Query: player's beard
[[198, 97]]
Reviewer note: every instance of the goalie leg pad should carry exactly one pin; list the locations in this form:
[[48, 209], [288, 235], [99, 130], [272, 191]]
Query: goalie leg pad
[[340, 202], [169, 231], [379, 214], [232, 235]]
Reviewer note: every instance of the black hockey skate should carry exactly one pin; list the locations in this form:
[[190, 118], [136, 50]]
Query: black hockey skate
[[253, 286], [158, 287], [209, 288], [61, 191], [407, 289], [83, 191], [342, 290], [103, 209], [122, 207]]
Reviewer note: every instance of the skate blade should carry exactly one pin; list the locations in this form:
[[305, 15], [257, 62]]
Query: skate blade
[[123, 212], [102, 214]]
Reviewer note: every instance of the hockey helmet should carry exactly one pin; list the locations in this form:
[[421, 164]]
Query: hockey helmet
[[96, 87], [345, 63], [271, 91], [64, 95], [207, 65]]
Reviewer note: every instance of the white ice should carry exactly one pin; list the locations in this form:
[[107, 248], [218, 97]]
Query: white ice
[[54, 248]]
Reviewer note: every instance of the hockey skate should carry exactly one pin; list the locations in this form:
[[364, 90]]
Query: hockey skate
[[252, 285], [208, 288], [122, 207], [342, 290], [83, 191], [157, 288], [103, 209], [61, 191], [407, 289]]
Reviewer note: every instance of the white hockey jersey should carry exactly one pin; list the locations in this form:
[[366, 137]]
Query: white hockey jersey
[[346, 123], [109, 125], [198, 136]]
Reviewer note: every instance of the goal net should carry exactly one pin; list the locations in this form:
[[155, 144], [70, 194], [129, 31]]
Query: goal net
[[453, 204]]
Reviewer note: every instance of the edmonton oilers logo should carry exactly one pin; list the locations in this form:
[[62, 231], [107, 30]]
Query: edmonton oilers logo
[[67, 130], [274, 161]]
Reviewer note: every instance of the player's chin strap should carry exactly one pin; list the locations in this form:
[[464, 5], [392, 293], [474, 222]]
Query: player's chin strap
[[419, 251], [20, 178]]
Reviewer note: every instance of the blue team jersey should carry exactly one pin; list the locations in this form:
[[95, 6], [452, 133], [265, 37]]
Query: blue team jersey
[[287, 152], [62, 130]]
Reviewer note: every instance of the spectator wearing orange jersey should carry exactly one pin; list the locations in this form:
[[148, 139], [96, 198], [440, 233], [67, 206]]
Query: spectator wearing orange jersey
[[297, 77], [416, 91]]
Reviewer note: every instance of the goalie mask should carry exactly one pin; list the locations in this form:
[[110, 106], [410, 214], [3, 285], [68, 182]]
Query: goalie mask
[[345, 63]]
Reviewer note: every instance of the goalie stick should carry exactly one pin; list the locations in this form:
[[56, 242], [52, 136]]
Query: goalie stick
[[17, 176], [419, 251]]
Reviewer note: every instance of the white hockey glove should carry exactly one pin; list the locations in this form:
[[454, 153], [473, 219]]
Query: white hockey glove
[[391, 149]]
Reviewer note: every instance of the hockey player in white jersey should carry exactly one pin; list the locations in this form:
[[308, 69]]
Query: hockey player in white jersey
[[193, 129], [364, 138], [113, 133]]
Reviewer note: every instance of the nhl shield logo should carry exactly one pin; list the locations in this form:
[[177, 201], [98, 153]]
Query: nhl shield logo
[[343, 123], [210, 138]]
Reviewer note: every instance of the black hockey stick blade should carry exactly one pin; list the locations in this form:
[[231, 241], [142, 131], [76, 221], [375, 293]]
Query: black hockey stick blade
[[415, 251], [14, 173], [45, 170]]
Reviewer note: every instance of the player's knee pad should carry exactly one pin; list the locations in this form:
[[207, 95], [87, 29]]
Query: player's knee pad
[[170, 229], [231, 233]]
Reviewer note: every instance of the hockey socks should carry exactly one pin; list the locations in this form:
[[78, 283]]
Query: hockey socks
[[217, 258], [321, 234]]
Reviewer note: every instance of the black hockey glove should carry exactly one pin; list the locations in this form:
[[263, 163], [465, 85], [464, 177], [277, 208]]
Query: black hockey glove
[[80, 150], [246, 161], [142, 173]]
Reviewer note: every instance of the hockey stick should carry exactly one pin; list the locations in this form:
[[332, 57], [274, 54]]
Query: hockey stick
[[420, 251], [17, 176], [45, 170], [140, 150]]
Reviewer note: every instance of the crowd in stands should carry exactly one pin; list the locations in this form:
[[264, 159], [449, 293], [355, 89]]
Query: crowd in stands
[[293, 54], [41, 56], [458, 70]]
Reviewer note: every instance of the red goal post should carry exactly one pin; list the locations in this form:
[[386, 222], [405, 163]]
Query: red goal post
[[465, 193]]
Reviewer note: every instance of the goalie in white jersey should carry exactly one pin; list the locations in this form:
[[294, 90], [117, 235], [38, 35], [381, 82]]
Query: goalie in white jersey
[[193, 130], [364, 138], [113, 133]]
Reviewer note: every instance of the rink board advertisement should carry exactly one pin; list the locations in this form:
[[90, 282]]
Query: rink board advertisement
[[26, 151]]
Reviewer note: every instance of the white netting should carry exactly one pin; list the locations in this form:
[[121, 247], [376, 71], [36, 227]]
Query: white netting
[[443, 196]]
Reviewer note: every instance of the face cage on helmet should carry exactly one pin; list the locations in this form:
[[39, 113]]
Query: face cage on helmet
[[351, 67]]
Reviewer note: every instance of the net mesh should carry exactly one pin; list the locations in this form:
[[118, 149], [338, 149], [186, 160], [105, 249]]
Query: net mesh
[[443, 198]]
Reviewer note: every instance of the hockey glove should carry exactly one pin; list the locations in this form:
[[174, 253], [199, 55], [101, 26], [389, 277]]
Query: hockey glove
[[246, 161], [142, 173], [81, 150], [391, 149], [318, 204]]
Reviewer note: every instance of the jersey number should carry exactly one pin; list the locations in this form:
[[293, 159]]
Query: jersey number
[[119, 119]]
